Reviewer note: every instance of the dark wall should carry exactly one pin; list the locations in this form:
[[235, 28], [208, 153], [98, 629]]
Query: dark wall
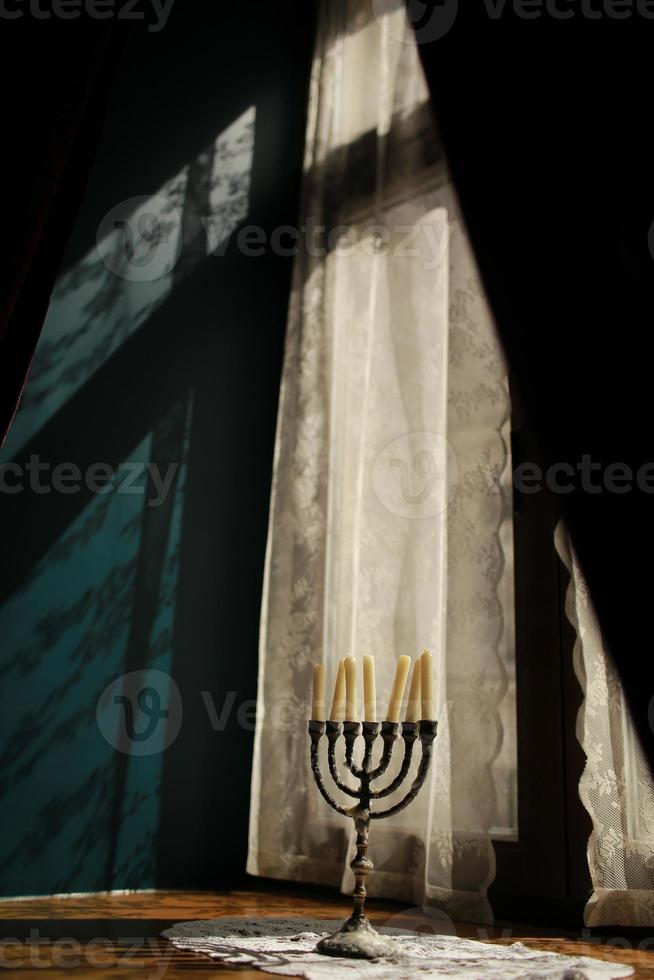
[[162, 347]]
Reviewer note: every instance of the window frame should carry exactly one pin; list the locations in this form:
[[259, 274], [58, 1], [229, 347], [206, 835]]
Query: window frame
[[543, 876]]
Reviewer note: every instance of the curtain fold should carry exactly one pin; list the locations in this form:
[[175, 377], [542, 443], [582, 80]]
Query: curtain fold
[[390, 518], [553, 167], [616, 786]]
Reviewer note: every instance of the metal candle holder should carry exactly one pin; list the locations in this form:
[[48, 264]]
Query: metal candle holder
[[356, 937]]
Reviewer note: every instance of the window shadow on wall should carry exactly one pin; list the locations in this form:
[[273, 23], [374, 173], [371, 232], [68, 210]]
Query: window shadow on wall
[[170, 381]]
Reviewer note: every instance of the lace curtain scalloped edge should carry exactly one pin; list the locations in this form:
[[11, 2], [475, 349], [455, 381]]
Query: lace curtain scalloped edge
[[607, 906]]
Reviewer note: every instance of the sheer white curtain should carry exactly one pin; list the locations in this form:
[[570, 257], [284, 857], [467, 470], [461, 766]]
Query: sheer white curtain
[[616, 786], [389, 522]]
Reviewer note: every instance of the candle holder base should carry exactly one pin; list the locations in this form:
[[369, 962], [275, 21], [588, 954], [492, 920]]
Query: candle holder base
[[357, 939]]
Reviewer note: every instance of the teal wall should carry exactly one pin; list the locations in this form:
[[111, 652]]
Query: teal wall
[[169, 359], [64, 636]]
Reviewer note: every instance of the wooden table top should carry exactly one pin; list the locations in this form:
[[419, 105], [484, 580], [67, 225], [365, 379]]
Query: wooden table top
[[91, 936]]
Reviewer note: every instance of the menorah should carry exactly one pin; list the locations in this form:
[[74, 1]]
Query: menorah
[[357, 937]]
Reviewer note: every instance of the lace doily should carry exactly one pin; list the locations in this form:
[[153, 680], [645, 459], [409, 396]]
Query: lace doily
[[287, 947]]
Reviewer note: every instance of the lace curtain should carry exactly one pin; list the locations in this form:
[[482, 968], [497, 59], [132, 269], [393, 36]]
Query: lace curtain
[[616, 786], [390, 524]]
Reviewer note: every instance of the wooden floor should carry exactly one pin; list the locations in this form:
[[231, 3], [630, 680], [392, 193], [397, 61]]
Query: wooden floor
[[93, 936]]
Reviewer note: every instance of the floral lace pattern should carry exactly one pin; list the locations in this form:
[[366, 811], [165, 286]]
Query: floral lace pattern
[[389, 510], [616, 786], [286, 947]]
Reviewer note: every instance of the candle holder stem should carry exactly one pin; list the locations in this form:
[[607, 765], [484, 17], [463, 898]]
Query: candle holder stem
[[356, 937]]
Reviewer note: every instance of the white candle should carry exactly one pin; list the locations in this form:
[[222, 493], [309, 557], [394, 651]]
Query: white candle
[[427, 688], [318, 703], [338, 701], [351, 709], [401, 674], [413, 707], [369, 692]]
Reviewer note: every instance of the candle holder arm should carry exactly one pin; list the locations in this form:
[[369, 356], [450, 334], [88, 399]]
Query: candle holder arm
[[316, 731], [351, 731], [427, 734], [334, 729], [409, 736], [389, 730]]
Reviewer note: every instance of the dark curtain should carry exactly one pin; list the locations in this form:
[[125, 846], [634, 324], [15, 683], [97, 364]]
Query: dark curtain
[[546, 119], [55, 75]]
